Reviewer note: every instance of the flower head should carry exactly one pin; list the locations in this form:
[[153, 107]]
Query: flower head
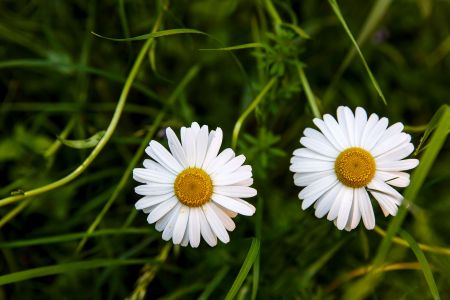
[[193, 190], [348, 158]]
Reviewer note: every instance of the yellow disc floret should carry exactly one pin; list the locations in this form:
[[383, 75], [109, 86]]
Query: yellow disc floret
[[193, 187], [355, 167]]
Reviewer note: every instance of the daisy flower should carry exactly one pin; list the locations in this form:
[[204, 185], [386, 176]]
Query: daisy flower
[[348, 158], [193, 190]]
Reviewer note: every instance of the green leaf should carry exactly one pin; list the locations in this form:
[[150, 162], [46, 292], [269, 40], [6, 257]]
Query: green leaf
[[430, 128], [248, 263], [83, 144], [338, 13], [424, 264], [154, 34], [69, 267]]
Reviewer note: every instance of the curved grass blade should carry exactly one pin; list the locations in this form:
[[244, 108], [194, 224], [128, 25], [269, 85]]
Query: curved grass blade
[[237, 47], [338, 13], [70, 267], [423, 263], [252, 254], [214, 283], [154, 34]]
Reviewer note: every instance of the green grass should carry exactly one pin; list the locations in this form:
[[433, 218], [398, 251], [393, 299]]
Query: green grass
[[85, 85]]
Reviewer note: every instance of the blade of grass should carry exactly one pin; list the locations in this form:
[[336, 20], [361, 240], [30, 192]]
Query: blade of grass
[[237, 47], [248, 263], [72, 236], [108, 134], [153, 35], [423, 263], [127, 174], [250, 108], [363, 287], [338, 13], [257, 264], [309, 94], [69, 267]]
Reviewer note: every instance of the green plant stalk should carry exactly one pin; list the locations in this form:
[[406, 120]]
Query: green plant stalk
[[102, 143], [309, 94], [250, 108]]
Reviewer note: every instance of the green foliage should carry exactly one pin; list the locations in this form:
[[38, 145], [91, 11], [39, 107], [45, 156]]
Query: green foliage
[[78, 109]]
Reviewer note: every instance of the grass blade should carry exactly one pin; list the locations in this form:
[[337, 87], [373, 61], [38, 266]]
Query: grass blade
[[214, 283], [69, 267], [248, 263], [154, 34], [338, 13], [424, 264], [83, 144], [237, 47]]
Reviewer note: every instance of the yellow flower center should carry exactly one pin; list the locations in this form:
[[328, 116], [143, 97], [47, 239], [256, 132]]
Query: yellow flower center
[[355, 167], [193, 187]]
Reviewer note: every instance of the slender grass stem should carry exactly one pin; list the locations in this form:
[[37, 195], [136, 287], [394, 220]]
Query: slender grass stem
[[309, 94]]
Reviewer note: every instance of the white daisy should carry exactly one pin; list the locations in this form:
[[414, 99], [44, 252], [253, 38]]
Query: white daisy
[[346, 159], [192, 190]]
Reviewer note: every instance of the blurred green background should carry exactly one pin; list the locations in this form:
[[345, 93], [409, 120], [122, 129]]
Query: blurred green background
[[57, 79]]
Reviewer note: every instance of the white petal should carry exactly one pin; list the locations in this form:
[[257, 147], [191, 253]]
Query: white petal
[[161, 155], [336, 131], [386, 202], [220, 160], [304, 179], [148, 201], [188, 143], [329, 134], [399, 179], [375, 134], [365, 136], [176, 148], [232, 165], [195, 129], [194, 226], [153, 165], [366, 208], [335, 207], [319, 146], [213, 148], [164, 221], [180, 225], [235, 191], [216, 225], [153, 189], [378, 185], [390, 143], [234, 204], [360, 123], [398, 153], [185, 240], [316, 189], [307, 153], [344, 209], [168, 231], [147, 175], [206, 231], [201, 146], [224, 218], [162, 209], [400, 165], [323, 205], [230, 178], [346, 121], [246, 182], [303, 165], [355, 212]]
